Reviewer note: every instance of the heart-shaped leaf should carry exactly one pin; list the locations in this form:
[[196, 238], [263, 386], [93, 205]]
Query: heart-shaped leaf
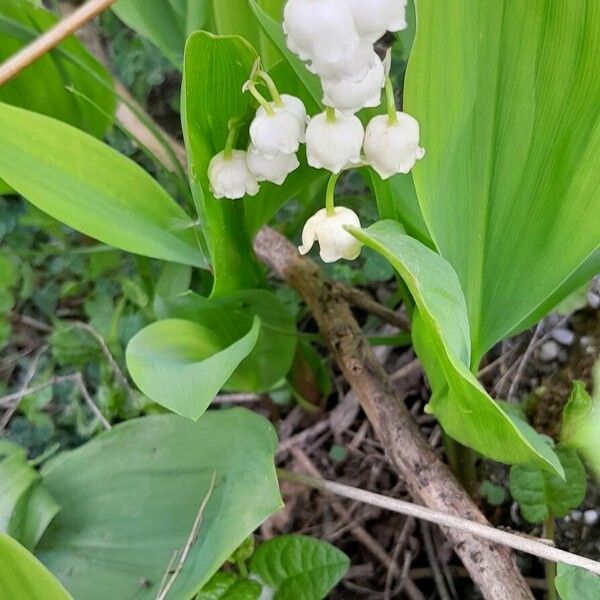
[[297, 566], [134, 493], [182, 365], [541, 494], [441, 338], [92, 188], [507, 96], [574, 583]]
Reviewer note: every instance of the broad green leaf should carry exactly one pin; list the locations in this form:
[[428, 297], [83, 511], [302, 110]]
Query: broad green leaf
[[232, 316], [573, 583], [507, 94], [166, 23], [67, 83], [16, 477], [297, 566], [133, 494], [92, 188], [441, 339], [215, 70], [182, 365], [541, 495], [228, 586], [23, 577]]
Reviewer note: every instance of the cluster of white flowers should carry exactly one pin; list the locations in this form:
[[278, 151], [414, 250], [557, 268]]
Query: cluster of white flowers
[[336, 39]]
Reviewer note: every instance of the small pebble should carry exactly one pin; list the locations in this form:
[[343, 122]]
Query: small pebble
[[594, 299], [563, 336], [549, 351], [590, 517]]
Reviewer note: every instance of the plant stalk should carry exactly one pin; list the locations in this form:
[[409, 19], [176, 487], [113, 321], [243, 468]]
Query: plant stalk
[[462, 463], [550, 566]]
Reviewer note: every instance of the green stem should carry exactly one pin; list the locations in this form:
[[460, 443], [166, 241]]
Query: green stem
[[330, 114], [230, 143], [272, 87], [251, 87], [241, 565], [462, 463], [390, 102], [550, 566], [330, 195]]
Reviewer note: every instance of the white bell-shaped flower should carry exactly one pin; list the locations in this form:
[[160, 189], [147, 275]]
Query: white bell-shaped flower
[[373, 18], [274, 169], [328, 230], [276, 131], [349, 96], [353, 66], [230, 177], [320, 29], [296, 107], [393, 148], [333, 145]]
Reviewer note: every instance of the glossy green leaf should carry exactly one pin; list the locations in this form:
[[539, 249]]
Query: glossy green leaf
[[541, 494], [576, 414], [166, 23], [215, 70], [23, 577], [182, 365], [49, 84], [16, 477], [133, 494], [232, 316], [297, 566], [573, 583], [228, 586], [507, 96], [92, 188], [441, 338]]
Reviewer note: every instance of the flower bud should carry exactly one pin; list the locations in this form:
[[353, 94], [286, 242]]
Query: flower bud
[[230, 177], [373, 18], [328, 230], [274, 169], [333, 145], [393, 148], [320, 29], [350, 97], [278, 132]]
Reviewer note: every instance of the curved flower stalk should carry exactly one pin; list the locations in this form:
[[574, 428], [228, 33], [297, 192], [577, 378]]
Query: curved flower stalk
[[327, 227]]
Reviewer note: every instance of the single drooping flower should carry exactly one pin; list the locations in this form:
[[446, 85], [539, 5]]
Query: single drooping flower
[[276, 130], [296, 107], [372, 18], [353, 66], [328, 230], [349, 96], [274, 169], [230, 177], [392, 145], [334, 141], [322, 30]]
